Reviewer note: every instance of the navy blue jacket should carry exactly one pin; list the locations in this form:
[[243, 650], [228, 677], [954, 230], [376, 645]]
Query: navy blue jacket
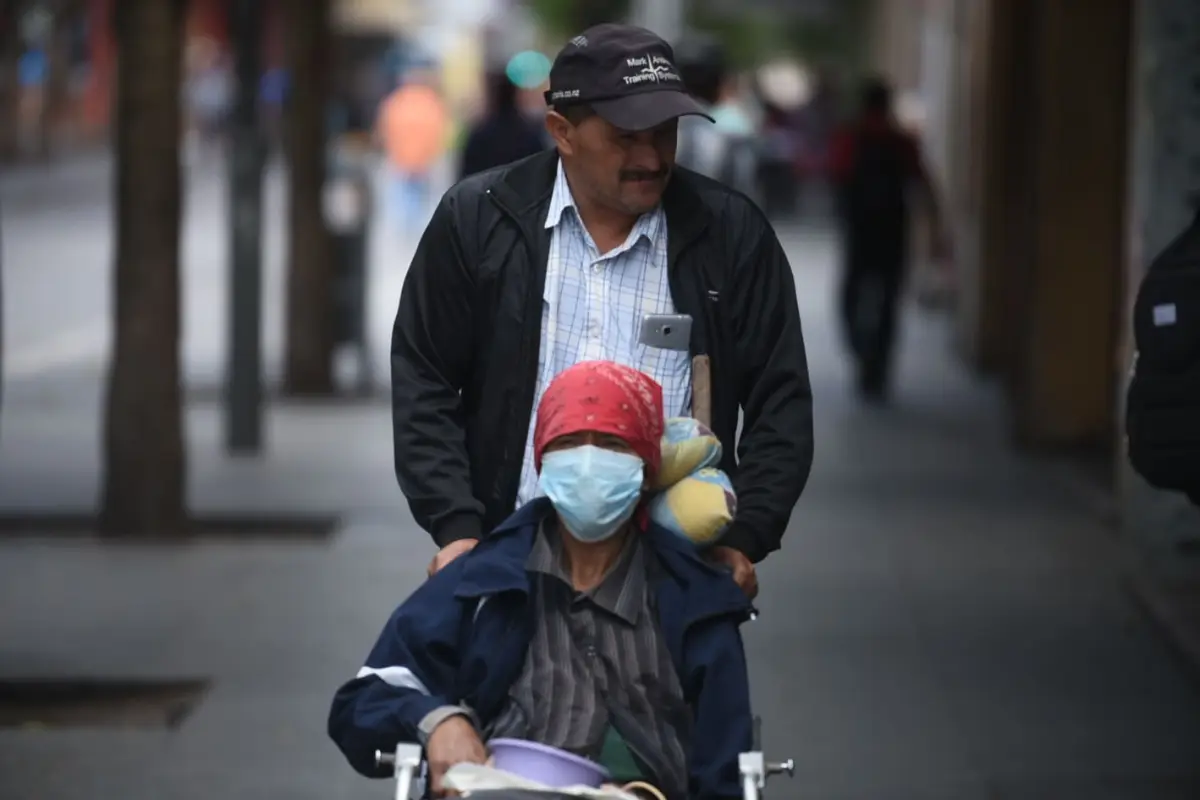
[[462, 638]]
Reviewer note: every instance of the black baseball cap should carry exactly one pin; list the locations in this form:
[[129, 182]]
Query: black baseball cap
[[625, 73]]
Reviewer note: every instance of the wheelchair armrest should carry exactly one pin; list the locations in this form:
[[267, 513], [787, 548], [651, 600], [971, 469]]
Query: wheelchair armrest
[[406, 762]]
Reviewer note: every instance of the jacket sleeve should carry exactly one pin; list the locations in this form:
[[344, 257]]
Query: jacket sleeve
[[431, 360], [775, 450], [723, 723], [408, 674]]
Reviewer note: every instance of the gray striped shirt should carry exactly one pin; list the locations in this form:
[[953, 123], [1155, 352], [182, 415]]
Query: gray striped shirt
[[598, 659]]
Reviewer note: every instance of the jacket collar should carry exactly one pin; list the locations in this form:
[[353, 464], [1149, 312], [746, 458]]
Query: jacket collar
[[498, 564], [524, 190]]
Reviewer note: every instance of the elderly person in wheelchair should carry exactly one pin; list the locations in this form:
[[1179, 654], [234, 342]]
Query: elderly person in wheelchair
[[581, 623]]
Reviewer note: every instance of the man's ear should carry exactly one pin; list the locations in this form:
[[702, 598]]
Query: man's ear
[[560, 131]]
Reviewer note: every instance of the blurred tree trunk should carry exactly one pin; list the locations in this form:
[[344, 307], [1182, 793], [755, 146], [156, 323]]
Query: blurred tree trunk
[[144, 478], [310, 334], [10, 89]]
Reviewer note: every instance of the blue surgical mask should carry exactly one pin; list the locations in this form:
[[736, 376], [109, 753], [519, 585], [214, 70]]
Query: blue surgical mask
[[594, 490]]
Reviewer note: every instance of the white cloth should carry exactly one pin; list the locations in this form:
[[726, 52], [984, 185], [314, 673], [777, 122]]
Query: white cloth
[[480, 778]]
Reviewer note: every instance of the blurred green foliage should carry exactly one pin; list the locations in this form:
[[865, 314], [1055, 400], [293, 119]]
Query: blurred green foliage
[[751, 35], [750, 39], [562, 19]]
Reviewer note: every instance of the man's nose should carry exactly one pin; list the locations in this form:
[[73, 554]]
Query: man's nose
[[645, 157]]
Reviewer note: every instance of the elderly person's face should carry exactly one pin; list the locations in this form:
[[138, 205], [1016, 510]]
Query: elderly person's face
[[597, 445], [625, 171], [595, 481], [605, 441]]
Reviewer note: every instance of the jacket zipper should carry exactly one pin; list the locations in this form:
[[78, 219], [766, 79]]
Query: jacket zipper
[[512, 488]]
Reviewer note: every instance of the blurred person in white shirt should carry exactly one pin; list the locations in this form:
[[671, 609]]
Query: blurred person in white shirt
[[724, 149]]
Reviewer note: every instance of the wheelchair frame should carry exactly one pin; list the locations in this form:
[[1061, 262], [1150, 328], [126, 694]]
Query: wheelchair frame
[[408, 768]]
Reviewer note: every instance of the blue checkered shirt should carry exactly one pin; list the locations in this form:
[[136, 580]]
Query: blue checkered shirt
[[593, 305]]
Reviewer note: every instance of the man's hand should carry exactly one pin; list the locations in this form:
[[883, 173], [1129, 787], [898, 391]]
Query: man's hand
[[452, 742], [449, 553], [743, 568]]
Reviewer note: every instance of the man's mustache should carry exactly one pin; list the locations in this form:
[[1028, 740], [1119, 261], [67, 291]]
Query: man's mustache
[[645, 174]]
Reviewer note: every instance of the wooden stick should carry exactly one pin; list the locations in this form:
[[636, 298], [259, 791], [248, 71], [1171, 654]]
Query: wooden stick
[[702, 391]]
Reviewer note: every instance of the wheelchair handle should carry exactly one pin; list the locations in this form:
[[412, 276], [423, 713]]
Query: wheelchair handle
[[404, 761]]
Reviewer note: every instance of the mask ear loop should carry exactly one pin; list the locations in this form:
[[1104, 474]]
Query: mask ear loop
[[644, 788]]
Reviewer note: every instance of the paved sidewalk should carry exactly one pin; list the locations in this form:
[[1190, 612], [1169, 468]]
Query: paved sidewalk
[[943, 622]]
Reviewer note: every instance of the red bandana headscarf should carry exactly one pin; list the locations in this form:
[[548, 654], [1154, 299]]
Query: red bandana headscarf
[[603, 397]]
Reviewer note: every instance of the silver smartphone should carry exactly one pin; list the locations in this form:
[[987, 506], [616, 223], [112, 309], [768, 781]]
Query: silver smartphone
[[667, 331]]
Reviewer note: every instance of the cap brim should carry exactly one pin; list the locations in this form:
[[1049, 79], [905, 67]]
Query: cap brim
[[639, 112]]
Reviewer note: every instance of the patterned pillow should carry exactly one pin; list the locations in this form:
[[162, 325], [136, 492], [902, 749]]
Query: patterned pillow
[[695, 500]]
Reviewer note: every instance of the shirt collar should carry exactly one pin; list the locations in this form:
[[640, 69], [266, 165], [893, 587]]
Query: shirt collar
[[649, 225], [622, 589]]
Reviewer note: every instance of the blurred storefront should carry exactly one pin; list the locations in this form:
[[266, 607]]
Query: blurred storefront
[[1066, 137], [208, 21]]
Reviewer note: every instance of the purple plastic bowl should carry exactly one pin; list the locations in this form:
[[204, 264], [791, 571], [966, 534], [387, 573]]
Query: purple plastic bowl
[[548, 765]]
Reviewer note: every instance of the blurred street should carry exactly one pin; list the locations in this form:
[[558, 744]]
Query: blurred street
[[947, 619], [58, 243]]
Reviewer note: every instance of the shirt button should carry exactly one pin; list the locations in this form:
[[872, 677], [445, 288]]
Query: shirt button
[[596, 267]]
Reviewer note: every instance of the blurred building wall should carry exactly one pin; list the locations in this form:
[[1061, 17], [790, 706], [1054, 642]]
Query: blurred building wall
[[896, 31], [375, 16], [1036, 195], [1066, 138]]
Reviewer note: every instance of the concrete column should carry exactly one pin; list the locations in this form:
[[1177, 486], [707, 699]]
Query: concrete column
[[1075, 197], [1164, 170], [987, 309]]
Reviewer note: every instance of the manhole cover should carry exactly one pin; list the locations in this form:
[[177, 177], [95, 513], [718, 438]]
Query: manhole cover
[[66, 703]]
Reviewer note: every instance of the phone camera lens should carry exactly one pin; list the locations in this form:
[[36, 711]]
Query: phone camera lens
[[666, 330]]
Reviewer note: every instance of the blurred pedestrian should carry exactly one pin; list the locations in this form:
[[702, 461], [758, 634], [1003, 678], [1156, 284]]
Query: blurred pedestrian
[[210, 95], [816, 122], [724, 149], [413, 126], [273, 93], [777, 181], [875, 164], [529, 269], [504, 134]]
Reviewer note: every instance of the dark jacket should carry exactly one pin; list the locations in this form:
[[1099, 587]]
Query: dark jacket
[[461, 638], [466, 338]]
